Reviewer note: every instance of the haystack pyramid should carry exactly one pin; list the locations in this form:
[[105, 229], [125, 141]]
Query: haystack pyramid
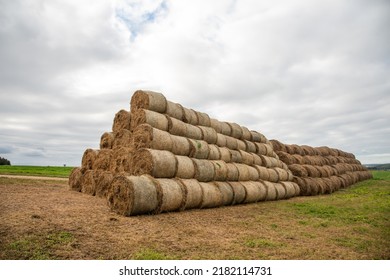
[[161, 156]]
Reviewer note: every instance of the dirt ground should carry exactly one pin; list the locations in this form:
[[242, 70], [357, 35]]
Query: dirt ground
[[42, 218]]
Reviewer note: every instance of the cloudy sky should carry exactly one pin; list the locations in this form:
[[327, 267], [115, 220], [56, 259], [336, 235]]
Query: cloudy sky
[[304, 72]]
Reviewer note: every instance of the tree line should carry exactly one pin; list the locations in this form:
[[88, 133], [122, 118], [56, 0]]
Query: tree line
[[4, 161]]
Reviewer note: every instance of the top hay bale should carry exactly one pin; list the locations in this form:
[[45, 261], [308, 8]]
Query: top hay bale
[[149, 100]]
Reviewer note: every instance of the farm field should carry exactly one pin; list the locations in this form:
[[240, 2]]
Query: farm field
[[43, 219], [47, 171]]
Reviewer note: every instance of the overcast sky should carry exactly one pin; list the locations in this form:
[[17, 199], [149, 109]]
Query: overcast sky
[[304, 72]]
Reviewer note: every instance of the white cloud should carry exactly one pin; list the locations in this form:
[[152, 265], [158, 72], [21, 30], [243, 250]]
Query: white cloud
[[302, 72]]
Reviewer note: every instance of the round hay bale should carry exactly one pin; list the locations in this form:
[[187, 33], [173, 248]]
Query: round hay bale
[[273, 176], [231, 143], [106, 140], [304, 189], [133, 195], [226, 191], [217, 125], [103, 181], [253, 173], [271, 190], [254, 192], [309, 151], [286, 158], [298, 159], [250, 146], [190, 116], [246, 134], [159, 164], [235, 156], [232, 174], [199, 149], [75, 179], [88, 182], [153, 101], [212, 196], [226, 156], [241, 145], [238, 191], [226, 129], [215, 153], [270, 162], [194, 193], [172, 195], [220, 170], [246, 158], [312, 171], [261, 149], [263, 139], [262, 189], [298, 150], [88, 159], [175, 110], [180, 146], [243, 172], [142, 116], [146, 136], [121, 121], [281, 191], [282, 174], [177, 127], [204, 170], [193, 132], [203, 119], [102, 160], [263, 172], [122, 138], [236, 130], [313, 185], [221, 140], [298, 170], [256, 159], [329, 185], [208, 134], [121, 160], [185, 168], [289, 188]]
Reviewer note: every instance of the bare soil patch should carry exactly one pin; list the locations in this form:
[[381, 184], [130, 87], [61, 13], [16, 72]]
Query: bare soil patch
[[43, 219]]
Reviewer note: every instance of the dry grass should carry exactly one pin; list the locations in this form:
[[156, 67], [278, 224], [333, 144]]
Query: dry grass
[[42, 219]]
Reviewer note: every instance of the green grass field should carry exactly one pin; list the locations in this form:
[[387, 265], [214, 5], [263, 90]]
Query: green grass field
[[46, 171]]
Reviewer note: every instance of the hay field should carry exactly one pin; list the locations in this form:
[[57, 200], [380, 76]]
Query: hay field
[[42, 219]]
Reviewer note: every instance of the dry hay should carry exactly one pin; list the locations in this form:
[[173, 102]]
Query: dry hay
[[212, 196], [226, 191], [209, 134], [159, 164], [133, 195], [258, 137], [232, 173], [106, 140], [236, 156], [175, 110], [185, 168], [204, 170], [238, 191], [146, 136], [122, 138], [153, 101], [250, 146], [88, 159], [246, 158], [75, 179], [179, 128], [290, 189], [172, 195], [203, 119], [121, 121], [102, 160], [255, 191], [121, 160], [220, 170], [198, 149], [193, 192], [142, 116], [226, 156], [103, 181], [246, 134], [271, 190], [190, 116], [88, 182], [180, 146], [283, 175], [263, 172], [273, 176], [214, 153]]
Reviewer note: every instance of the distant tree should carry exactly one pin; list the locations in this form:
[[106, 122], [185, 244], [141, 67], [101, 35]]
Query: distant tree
[[4, 161]]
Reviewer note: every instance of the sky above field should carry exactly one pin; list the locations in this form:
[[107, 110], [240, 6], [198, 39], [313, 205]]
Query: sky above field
[[304, 72]]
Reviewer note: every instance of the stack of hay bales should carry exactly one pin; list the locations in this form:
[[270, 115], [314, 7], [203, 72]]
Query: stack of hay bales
[[161, 156], [320, 170]]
